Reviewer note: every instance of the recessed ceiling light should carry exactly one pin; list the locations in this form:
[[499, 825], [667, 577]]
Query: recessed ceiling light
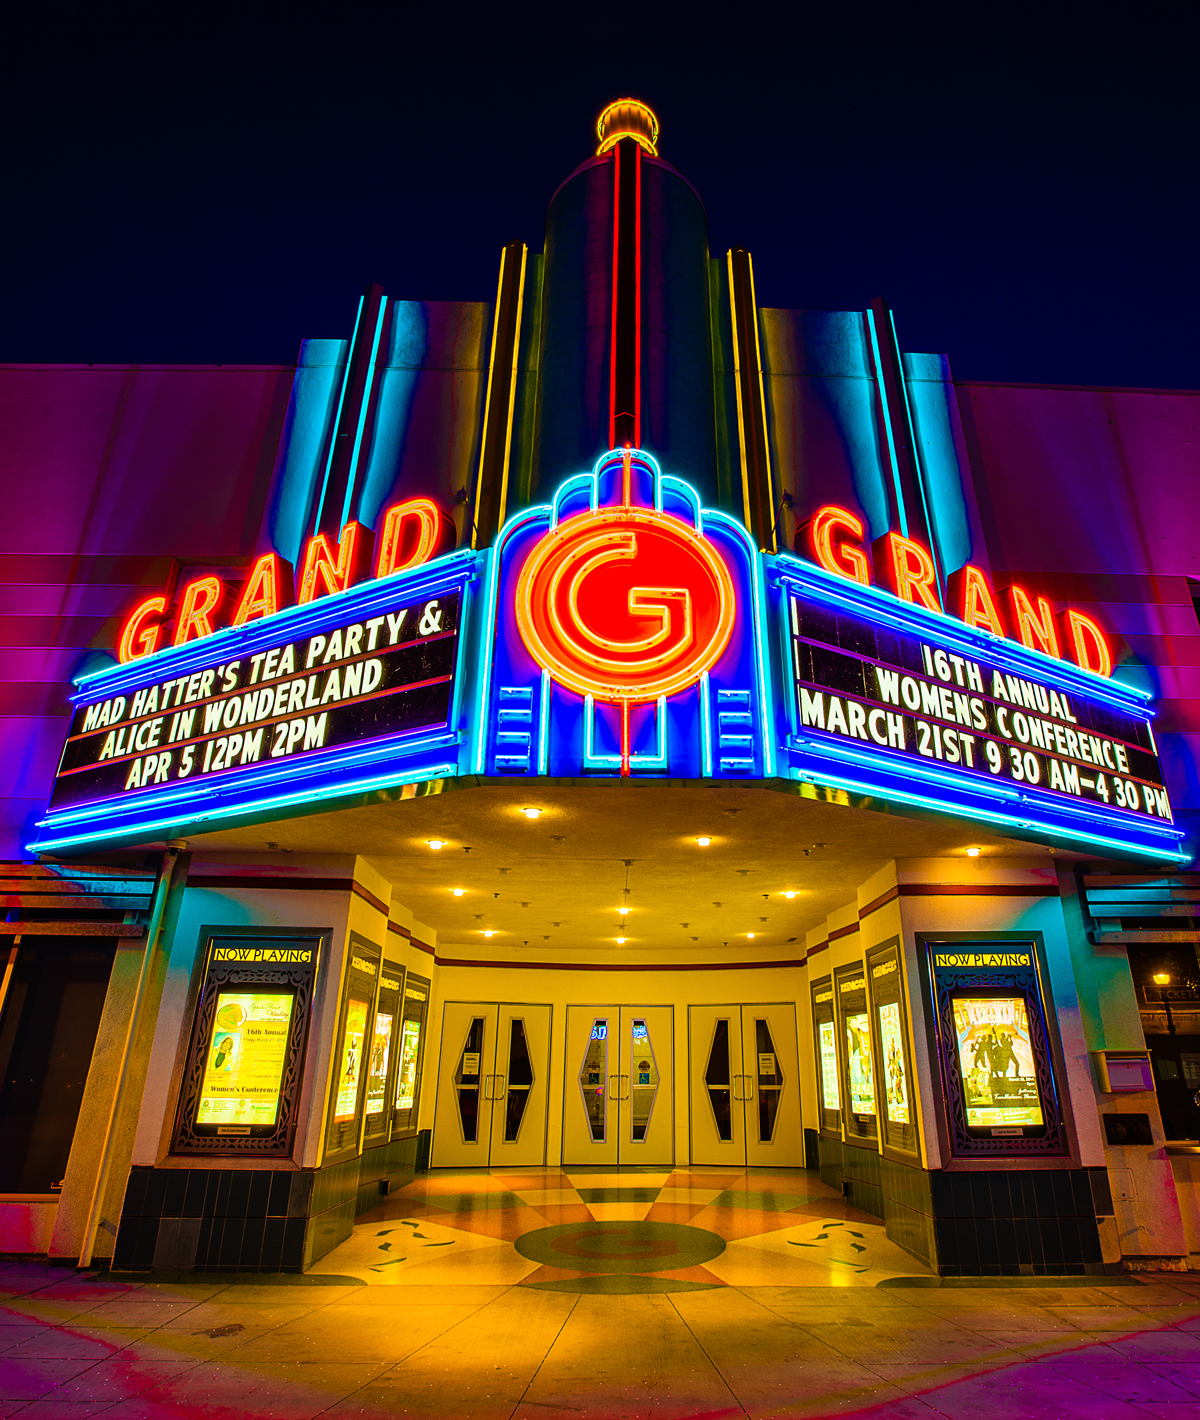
[[972, 852], [750, 935], [458, 892], [703, 841], [622, 911], [489, 933], [436, 843], [621, 941], [532, 813], [789, 895]]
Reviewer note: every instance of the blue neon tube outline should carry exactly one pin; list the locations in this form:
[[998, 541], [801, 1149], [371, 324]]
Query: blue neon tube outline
[[877, 356], [352, 787], [362, 412], [337, 417], [245, 783], [1019, 807], [592, 760]]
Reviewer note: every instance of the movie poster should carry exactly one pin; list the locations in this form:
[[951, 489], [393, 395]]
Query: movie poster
[[862, 1087], [350, 1067], [829, 1069], [996, 1062], [377, 1071], [244, 1067], [892, 1045], [406, 1083]]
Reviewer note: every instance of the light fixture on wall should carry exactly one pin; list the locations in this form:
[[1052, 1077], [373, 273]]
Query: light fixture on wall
[[703, 841], [532, 813], [750, 936], [488, 932], [788, 895], [621, 941], [1161, 978], [972, 852], [458, 892], [436, 843]]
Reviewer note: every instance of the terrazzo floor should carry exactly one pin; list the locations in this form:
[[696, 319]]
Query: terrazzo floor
[[690, 1295], [632, 1231]]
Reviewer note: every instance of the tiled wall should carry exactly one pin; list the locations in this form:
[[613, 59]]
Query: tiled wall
[[978, 1224], [250, 1220]]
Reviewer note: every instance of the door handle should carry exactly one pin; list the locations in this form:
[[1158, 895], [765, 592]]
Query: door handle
[[614, 1087], [748, 1087], [497, 1087], [487, 1087], [624, 1087]]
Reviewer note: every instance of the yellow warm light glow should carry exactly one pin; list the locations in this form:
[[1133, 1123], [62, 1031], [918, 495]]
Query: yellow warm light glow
[[703, 842], [1161, 979], [489, 933], [532, 813], [622, 911], [750, 935], [458, 892], [436, 843], [621, 941], [789, 895], [972, 852]]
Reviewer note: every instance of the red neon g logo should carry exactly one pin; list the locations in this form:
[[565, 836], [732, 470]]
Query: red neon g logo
[[625, 604]]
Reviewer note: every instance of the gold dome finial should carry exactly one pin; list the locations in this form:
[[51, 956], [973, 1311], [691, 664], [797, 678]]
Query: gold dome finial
[[627, 118]]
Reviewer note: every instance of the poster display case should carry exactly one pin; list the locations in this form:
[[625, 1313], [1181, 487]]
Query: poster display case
[[860, 1110], [383, 1054], [351, 1049], [410, 1056], [895, 1086], [829, 1095], [245, 1062], [997, 1051]]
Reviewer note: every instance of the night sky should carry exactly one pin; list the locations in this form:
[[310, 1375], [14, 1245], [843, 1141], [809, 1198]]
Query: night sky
[[214, 183]]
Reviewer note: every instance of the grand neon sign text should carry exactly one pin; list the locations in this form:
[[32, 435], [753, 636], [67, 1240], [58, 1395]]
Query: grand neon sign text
[[906, 569], [410, 534]]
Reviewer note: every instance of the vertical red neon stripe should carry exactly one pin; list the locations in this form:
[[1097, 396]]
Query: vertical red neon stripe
[[637, 301], [625, 739], [616, 248]]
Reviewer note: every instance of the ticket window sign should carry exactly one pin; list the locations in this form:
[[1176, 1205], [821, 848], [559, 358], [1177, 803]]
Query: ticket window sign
[[860, 1110], [411, 1054], [241, 1083], [381, 1057], [995, 1049], [352, 1049], [825, 1043], [893, 1051]]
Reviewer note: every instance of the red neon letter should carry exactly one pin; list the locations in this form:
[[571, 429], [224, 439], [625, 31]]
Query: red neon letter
[[841, 558], [906, 569], [268, 589], [137, 639], [427, 516], [1035, 628], [1091, 644], [322, 574], [969, 590], [199, 599]]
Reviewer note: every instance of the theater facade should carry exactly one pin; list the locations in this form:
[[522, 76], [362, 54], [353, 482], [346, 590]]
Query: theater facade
[[619, 724]]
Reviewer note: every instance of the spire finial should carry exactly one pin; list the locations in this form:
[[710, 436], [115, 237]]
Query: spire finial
[[628, 118]]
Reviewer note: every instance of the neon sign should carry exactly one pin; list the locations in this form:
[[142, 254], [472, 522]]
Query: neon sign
[[411, 534], [625, 604], [906, 569]]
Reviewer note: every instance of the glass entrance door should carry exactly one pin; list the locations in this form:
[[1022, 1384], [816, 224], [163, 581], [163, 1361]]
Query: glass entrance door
[[492, 1086], [618, 1103], [744, 1096]]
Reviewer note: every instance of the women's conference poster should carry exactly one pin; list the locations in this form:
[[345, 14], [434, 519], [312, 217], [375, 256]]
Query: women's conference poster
[[244, 1069]]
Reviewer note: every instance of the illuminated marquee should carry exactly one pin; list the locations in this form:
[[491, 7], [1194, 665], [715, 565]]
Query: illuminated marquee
[[410, 533], [630, 634], [894, 701], [336, 697]]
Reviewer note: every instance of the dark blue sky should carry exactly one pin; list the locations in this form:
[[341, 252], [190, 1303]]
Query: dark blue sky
[[1019, 182]]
